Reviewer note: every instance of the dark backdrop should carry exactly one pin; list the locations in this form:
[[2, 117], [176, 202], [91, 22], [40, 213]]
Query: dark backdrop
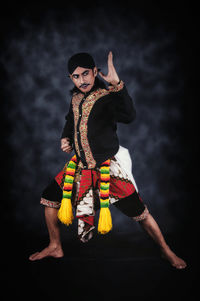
[[154, 54]]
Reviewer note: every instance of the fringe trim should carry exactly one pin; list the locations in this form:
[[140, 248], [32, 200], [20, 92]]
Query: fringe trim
[[141, 216], [50, 203]]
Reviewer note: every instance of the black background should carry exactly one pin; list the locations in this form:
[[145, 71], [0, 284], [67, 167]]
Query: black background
[[155, 53]]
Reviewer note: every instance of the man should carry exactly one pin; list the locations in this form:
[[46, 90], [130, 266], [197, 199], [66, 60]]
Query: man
[[100, 171]]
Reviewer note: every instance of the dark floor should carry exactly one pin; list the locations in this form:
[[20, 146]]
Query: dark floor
[[109, 267]]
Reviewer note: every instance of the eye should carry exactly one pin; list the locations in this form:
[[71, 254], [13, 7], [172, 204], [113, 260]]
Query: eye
[[85, 73], [75, 76]]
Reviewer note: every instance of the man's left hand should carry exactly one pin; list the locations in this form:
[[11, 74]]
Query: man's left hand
[[112, 76]]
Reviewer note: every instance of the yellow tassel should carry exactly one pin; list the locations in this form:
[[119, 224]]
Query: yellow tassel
[[105, 221], [65, 213]]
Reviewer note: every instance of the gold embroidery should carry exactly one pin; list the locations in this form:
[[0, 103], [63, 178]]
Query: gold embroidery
[[75, 104], [116, 88], [86, 109]]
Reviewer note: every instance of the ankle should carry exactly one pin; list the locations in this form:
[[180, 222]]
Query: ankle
[[55, 244], [164, 248]]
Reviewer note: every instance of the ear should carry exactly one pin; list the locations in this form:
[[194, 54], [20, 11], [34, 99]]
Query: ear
[[95, 71]]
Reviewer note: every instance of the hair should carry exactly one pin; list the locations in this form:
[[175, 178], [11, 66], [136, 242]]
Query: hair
[[98, 83]]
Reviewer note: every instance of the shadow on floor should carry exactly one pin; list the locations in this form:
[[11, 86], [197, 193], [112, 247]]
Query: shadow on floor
[[109, 267]]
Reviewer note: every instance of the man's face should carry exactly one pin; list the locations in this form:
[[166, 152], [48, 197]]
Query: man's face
[[83, 78]]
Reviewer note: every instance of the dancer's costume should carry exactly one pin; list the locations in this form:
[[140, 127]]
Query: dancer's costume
[[100, 172], [91, 127]]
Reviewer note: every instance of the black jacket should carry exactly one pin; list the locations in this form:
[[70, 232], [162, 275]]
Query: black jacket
[[91, 123]]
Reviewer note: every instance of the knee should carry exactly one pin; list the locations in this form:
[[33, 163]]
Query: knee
[[143, 216]]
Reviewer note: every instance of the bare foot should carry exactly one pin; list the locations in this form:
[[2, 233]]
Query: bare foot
[[175, 261], [51, 251]]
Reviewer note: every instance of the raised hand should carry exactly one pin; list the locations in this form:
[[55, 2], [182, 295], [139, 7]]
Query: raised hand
[[112, 76]]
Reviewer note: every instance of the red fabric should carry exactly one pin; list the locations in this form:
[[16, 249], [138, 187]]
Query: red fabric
[[118, 188], [86, 181], [87, 219], [60, 178]]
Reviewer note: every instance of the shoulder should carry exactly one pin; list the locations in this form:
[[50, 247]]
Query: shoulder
[[101, 92]]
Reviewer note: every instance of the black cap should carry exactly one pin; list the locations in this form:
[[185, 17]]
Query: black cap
[[83, 59]]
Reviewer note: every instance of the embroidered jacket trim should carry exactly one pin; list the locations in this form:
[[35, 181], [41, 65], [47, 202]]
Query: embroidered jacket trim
[[86, 109]]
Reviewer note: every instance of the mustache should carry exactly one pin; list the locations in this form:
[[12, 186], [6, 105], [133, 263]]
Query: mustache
[[84, 85]]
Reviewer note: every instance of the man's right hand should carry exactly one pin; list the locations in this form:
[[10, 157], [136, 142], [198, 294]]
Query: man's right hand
[[65, 145]]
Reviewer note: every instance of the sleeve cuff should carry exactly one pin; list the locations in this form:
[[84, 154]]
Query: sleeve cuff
[[117, 87]]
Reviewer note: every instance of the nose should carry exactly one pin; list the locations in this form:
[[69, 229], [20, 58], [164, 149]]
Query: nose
[[81, 79]]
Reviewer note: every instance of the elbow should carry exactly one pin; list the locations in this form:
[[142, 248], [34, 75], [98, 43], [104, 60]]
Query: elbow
[[130, 117], [133, 115]]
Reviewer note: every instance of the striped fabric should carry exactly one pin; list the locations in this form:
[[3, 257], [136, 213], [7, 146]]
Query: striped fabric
[[104, 184], [69, 178]]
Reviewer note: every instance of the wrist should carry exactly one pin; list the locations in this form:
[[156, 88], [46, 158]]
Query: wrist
[[115, 82], [116, 88]]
